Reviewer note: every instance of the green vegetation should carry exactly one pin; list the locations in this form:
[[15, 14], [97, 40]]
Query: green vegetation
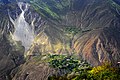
[[44, 8], [67, 66], [72, 68], [50, 8], [72, 30], [105, 72], [69, 63]]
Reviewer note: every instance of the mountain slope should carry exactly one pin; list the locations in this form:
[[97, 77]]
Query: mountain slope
[[98, 38], [88, 28]]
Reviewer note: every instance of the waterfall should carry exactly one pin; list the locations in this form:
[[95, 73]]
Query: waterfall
[[23, 31]]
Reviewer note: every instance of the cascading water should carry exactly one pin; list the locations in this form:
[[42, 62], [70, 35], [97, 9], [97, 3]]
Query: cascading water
[[23, 31]]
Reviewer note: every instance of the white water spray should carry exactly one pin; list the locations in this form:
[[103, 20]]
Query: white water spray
[[23, 31]]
